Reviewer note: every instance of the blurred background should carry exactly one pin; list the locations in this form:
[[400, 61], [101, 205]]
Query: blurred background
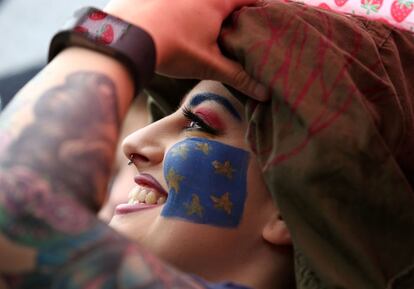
[[26, 29]]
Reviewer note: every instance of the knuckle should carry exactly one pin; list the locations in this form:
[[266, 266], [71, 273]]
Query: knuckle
[[240, 78]]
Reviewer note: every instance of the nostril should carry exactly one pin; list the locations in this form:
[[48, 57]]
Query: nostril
[[137, 158]]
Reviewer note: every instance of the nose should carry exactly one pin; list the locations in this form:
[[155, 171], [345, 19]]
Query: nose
[[146, 146]]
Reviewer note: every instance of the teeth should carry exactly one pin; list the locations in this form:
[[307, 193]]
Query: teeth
[[133, 192], [145, 195], [161, 200], [133, 195], [142, 195], [151, 198]]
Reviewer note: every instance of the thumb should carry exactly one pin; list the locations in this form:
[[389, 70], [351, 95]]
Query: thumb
[[233, 74]]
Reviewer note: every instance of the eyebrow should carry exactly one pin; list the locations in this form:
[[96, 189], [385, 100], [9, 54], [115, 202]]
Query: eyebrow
[[208, 96]]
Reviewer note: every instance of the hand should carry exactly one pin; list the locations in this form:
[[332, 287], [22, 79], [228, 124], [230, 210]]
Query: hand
[[185, 33]]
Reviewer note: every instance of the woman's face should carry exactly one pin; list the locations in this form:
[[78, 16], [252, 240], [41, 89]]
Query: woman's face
[[200, 201]]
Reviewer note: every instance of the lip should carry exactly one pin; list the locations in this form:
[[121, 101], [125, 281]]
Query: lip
[[146, 180], [123, 209]]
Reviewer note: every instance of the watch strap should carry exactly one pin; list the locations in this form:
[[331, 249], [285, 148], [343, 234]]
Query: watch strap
[[97, 30]]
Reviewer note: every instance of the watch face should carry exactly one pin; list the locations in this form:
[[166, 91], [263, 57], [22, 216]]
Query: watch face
[[99, 26]]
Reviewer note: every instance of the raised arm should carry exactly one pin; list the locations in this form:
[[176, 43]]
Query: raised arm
[[57, 140]]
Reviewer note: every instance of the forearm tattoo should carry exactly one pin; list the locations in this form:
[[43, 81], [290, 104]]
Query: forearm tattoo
[[53, 177], [71, 138]]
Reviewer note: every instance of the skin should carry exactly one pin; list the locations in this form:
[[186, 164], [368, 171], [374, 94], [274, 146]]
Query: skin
[[212, 252], [122, 179], [39, 214], [174, 50], [41, 121], [49, 156]]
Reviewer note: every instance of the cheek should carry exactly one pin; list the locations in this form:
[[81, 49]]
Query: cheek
[[255, 181], [259, 208], [206, 182]]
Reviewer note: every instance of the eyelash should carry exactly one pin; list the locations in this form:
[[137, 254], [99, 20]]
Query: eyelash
[[202, 125]]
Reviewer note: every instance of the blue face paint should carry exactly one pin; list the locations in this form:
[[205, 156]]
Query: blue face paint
[[206, 182]]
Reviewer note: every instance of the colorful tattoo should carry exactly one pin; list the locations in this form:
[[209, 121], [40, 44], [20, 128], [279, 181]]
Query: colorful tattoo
[[71, 137], [214, 193], [53, 175]]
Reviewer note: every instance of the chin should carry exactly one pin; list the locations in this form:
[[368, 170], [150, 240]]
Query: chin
[[127, 227]]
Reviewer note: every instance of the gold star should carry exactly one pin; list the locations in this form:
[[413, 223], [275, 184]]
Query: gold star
[[181, 150], [204, 147], [173, 180], [194, 207], [223, 202], [224, 169]]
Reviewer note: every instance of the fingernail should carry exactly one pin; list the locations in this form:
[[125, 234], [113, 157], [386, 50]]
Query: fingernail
[[260, 92]]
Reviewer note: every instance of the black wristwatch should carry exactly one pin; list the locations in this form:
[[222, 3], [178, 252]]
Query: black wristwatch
[[97, 30]]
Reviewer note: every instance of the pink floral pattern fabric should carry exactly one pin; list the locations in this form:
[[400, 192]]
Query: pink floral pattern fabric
[[398, 13]]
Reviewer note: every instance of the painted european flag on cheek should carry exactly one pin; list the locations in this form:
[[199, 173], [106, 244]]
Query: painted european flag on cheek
[[206, 182]]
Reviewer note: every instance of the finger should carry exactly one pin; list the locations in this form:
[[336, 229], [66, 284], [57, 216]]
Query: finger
[[234, 4], [233, 74]]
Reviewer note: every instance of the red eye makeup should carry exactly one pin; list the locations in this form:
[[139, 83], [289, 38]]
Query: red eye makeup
[[210, 117], [197, 123]]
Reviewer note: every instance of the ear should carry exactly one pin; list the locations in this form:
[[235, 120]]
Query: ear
[[276, 232]]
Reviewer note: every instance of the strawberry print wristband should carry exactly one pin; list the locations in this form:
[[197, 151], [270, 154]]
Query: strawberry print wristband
[[398, 13], [94, 29]]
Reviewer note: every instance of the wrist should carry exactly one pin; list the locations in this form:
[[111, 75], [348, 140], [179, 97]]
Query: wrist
[[78, 59]]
